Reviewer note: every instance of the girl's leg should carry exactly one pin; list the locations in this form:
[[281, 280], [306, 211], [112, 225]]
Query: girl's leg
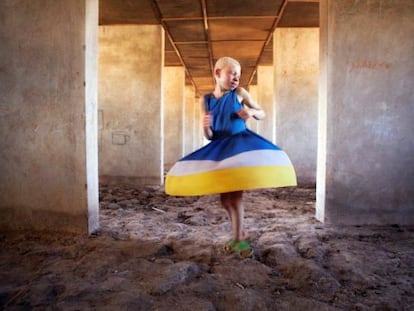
[[241, 246], [237, 214], [225, 203], [232, 202], [225, 199]]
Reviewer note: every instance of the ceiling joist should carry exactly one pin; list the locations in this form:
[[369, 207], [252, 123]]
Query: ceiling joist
[[197, 33]]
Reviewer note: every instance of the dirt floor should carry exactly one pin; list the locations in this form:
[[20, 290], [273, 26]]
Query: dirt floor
[[156, 252]]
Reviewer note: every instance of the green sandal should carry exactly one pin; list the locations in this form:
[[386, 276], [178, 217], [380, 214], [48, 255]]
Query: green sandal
[[243, 249], [229, 246]]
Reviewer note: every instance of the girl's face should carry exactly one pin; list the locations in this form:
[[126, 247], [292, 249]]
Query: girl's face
[[228, 77]]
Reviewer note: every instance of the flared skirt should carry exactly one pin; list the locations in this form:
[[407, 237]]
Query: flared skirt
[[243, 161]]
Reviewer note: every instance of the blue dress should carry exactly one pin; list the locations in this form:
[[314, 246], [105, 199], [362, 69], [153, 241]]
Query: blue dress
[[235, 159]]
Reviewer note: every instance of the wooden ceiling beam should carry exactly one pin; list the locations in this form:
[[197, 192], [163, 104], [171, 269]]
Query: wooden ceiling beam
[[181, 19], [158, 15], [207, 34], [240, 17], [213, 18], [216, 41], [316, 1], [269, 38]]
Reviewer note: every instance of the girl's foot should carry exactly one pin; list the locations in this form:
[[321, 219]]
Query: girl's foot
[[229, 246], [243, 249]]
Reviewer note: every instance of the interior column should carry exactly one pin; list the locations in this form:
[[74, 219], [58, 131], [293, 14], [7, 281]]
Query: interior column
[[296, 63], [174, 87], [266, 99], [131, 104], [365, 164], [48, 146]]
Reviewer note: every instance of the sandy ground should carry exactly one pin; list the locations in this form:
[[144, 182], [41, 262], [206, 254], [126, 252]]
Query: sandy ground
[[156, 252]]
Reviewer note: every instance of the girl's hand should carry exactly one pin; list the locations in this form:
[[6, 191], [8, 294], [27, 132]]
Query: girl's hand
[[246, 113], [208, 132], [206, 120], [254, 109]]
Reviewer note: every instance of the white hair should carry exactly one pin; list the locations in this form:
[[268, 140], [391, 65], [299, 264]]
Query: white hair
[[226, 60]]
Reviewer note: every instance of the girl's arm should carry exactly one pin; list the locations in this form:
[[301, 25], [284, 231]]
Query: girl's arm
[[253, 110], [208, 132]]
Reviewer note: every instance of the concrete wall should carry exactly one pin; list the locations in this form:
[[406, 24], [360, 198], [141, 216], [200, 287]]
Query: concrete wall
[[252, 123], [174, 100], [91, 112], [188, 132], [266, 99], [367, 112], [43, 146], [296, 63], [199, 139], [131, 104]]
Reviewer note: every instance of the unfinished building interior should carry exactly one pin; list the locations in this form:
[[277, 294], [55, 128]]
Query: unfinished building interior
[[99, 98]]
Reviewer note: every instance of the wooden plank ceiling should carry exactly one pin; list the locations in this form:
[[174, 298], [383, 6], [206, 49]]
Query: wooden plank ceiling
[[198, 32]]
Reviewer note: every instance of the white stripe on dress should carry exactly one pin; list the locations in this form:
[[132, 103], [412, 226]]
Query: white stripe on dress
[[248, 158]]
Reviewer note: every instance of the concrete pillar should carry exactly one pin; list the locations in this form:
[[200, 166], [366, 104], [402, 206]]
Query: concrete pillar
[[252, 123], [365, 167], [199, 139], [131, 104], [188, 132], [48, 146], [91, 112], [174, 98], [266, 99], [296, 62]]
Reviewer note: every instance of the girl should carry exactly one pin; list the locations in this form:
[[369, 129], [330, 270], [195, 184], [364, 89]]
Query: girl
[[236, 159]]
